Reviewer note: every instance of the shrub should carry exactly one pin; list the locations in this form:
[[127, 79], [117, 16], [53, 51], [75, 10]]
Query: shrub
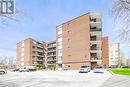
[[52, 67], [39, 67]]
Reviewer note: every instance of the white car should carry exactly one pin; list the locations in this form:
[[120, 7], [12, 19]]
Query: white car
[[2, 71], [23, 69], [84, 69], [98, 69]]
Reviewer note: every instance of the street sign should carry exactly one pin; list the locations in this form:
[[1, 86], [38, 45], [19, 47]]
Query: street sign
[[6, 7]]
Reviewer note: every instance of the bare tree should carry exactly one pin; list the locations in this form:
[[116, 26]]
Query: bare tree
[[121, 11]]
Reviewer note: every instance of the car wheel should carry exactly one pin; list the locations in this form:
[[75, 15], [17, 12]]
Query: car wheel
[[2, 72]]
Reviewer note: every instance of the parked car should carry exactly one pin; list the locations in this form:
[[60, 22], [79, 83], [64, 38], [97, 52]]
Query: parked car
[[23, 69], [2, 71], [14, 70], [84, 69], [32, 69], [125, 67], [98, 69]]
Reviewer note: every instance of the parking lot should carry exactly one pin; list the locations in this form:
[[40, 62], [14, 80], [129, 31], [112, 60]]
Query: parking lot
[[53, 79]]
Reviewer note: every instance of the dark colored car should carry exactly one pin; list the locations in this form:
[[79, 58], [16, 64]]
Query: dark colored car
[[2, 71], [14, 70]]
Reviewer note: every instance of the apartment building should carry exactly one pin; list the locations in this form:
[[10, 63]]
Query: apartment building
[[105, 52], [128, 62], [79, 42], [114, 55], [31, 52], [51, 53]]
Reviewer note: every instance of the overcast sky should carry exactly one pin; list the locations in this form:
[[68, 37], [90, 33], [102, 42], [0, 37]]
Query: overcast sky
[[38, 19]]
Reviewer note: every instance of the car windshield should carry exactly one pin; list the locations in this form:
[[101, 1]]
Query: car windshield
[[84, 66], [98, 67]]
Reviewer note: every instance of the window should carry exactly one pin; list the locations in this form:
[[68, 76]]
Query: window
[[22, 44], [60, 36], [22, 58], [69, 55], [60, 51], [60, 58], [68, 39], [22, 49], [60, 29], [54, 44], [60, 43], [22, 54]]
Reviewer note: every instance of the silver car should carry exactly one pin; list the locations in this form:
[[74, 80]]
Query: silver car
[[84, 69], [98, 69], [23, 69]]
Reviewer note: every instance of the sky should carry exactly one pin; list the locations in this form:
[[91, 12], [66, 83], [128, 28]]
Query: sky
[[38, 19]]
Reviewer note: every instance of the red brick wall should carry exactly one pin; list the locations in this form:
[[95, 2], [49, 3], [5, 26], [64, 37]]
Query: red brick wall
[[105, 51]]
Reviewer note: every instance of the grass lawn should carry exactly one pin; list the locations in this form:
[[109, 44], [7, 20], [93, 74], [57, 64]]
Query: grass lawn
[[121, 71]]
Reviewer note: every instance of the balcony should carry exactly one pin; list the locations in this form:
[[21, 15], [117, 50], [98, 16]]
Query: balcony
[[96, 51], [94, 17], [95, 56], [51, 46], [51, 49], [38, 59], [51, 59], [38, 45], [37, 50], [95, 59], [93, 47], [38, 63], [52, 55], [93, 29], [40, 56], [51, 62], [93, 38]]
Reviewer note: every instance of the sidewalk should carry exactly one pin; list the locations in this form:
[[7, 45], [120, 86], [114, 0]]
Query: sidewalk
[[117, 81]]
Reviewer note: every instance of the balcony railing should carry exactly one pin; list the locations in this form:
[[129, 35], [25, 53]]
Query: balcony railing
[[51, 62], [38, 45], [52, 55], [52, 50], [94, 58], [51, 59], [95, 29]]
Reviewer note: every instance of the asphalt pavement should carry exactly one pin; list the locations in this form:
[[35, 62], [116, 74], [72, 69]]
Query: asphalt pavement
[[53, 79]]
